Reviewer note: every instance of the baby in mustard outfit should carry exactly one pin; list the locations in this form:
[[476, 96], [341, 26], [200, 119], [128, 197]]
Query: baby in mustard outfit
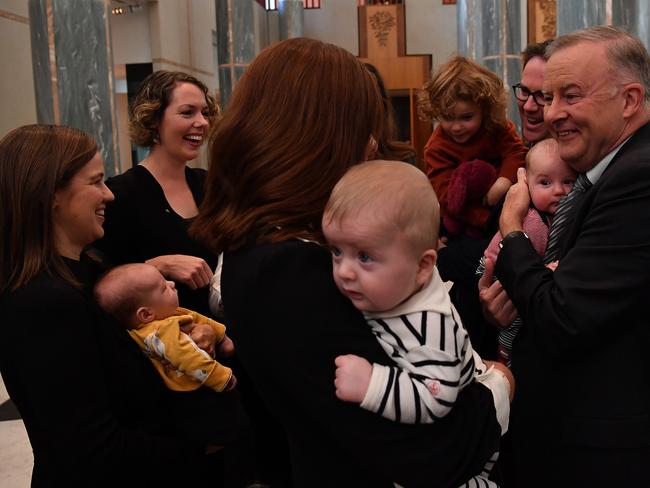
[[140, 298]]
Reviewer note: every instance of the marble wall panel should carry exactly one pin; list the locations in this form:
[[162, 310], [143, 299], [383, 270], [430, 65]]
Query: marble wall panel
[[578, 14], [75, 40], [292, 18], [634, 15], [235, 42], [225, 85], [38, 21], [489, 32], [243, 46]]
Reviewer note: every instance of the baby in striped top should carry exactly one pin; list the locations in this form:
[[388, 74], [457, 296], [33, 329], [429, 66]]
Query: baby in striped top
[[381, 223]]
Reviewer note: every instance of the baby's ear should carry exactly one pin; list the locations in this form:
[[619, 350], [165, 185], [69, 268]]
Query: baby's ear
[[425, 266], [144, 315]]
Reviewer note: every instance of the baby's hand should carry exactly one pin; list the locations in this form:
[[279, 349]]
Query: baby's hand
[[352, 377], [226, 347]]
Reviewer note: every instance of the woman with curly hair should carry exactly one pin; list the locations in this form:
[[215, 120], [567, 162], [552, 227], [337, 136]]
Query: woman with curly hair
[[156, 200], [469, 102]]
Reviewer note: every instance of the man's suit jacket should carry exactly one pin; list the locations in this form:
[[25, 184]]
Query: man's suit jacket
[[581, 415]]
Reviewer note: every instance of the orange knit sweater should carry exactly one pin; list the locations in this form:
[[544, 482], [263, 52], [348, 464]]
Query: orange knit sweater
[[442, 154]]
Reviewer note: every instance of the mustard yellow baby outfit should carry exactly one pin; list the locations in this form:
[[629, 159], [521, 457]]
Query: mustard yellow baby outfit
[[181, 363]]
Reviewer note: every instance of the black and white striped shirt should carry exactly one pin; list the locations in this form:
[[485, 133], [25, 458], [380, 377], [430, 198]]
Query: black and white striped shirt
[[433, 358]]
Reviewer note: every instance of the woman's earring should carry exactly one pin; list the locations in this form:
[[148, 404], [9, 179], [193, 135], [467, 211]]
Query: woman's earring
[[156, 140]]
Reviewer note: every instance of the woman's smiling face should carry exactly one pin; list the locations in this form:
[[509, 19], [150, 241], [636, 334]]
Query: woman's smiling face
[[184, 123], [78, 211]]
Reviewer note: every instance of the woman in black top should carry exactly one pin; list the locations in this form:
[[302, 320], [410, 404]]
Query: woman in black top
[[95, 410], [302, 113], [156, 200]]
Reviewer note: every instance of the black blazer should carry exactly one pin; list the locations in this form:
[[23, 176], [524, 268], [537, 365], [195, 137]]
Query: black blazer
[[289, 322], [582, 360]]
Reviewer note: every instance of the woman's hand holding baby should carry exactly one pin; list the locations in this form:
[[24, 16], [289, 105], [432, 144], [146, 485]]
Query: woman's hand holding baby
[[203, 335], [352, 377]]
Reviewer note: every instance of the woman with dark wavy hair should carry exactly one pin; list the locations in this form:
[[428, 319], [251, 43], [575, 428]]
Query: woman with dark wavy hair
[[302, 114]]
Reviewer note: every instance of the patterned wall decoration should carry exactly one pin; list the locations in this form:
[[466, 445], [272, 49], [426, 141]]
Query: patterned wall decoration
[[542, 20], [381, 23]]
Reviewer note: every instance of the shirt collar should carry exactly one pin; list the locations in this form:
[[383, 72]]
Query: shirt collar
[[594, 174]]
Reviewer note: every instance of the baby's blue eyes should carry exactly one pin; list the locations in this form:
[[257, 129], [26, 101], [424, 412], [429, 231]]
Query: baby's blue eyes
[[364, 258]]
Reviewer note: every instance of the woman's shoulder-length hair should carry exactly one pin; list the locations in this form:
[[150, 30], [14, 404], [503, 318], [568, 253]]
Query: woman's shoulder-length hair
[[302, 113], [35, 162]]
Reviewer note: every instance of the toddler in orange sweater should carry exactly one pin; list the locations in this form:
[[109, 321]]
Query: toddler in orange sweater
[[469, 102]]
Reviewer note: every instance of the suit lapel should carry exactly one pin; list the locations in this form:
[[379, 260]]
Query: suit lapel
[[640, 137]]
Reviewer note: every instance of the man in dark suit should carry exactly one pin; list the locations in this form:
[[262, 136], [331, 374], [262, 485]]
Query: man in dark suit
[[581, 416]]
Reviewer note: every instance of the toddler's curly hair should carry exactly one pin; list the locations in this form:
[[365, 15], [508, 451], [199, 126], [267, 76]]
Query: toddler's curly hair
[[463, 79]]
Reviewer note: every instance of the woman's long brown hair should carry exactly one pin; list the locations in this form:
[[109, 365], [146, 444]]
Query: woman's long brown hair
[[302, 113], [35, 162]]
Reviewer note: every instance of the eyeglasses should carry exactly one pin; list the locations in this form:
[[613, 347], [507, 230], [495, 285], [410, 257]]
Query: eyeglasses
[[522, 94]]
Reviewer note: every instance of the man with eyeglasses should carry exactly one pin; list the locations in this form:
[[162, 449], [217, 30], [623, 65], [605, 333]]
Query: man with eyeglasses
[[529, 95]]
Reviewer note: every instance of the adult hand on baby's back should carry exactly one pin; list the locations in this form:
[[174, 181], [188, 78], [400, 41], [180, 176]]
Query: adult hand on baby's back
[[189, 270], [352, 377]]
